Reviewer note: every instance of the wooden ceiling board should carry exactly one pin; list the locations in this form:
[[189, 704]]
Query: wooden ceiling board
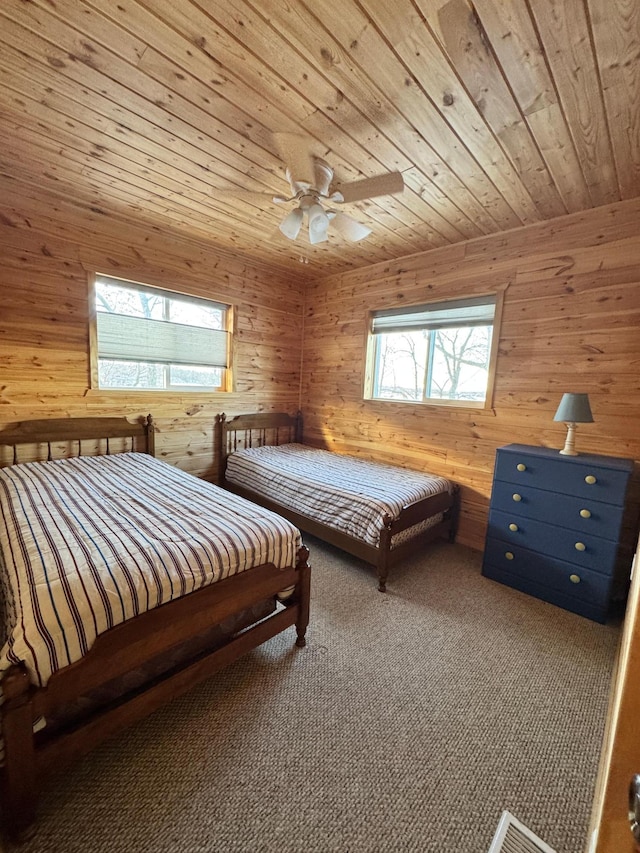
[[617, 45], [368, 47], [565, 28], [386, 218], [418, 49], [468, 49], [337, 54], [511, 32], [498, 113]]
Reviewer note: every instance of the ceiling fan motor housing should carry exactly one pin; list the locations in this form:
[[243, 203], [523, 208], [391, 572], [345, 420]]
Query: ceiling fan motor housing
[[323, 174]]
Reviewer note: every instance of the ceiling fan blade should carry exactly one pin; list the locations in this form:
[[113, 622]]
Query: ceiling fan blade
[[388, 184], [349, 228], [295, 151], [257, 198]]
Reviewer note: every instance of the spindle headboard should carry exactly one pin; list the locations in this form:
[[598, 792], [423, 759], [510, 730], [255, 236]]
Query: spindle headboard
[[42, 436], [254, 430]]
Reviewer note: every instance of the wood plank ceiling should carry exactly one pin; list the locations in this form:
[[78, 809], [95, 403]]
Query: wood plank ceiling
[[498, 113]]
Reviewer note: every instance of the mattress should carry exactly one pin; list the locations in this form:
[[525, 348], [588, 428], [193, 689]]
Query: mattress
[[346, 493], [89, 543]]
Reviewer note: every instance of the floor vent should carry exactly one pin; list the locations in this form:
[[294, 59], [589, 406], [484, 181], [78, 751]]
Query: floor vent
[[514, 837]]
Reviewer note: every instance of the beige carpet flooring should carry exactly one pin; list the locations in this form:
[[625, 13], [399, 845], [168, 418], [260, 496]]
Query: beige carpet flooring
[[409, 722]]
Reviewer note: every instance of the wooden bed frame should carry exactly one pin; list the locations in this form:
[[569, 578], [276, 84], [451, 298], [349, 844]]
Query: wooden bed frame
[[29, 757], [256, 430]]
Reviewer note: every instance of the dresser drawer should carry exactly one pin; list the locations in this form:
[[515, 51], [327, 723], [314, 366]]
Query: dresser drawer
[[597, 611], [588, 517], [585, 551], [565, 475], [546, 572]]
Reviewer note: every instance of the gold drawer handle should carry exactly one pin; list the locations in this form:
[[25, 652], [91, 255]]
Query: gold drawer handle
[[509, 555], [580, 546], [521, 466], [584, 513], [517, 497], [590, 479], [513, 527], [574, 578]]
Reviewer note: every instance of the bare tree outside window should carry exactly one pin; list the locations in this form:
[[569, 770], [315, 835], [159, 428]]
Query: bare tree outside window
[[401, 365], [460, 363], [447, 364]]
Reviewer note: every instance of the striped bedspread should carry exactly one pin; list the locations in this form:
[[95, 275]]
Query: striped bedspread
[[351, 495], [88, 543]]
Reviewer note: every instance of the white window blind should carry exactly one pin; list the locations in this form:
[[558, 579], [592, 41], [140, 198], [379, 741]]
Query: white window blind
[[476, 311], [156, 339], [160, 341]]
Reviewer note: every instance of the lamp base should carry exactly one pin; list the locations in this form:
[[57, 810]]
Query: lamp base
[[569, 448]]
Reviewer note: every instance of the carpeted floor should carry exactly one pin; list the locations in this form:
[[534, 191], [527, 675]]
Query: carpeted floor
[[409, 722]]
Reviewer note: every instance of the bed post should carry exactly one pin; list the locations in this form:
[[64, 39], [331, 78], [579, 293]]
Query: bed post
[[19, 782], [303, 595], [298, 427], [384, 548], [454, 513], [218, 447], [150, 435]]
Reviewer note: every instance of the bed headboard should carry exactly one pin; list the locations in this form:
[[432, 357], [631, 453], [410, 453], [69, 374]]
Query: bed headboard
[[99, 434], [254, 430]]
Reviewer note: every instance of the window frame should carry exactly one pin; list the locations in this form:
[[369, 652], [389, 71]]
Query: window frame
[[228, 383], [371, 361]]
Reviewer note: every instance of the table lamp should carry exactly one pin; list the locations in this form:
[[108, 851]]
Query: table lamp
[[573, 409]]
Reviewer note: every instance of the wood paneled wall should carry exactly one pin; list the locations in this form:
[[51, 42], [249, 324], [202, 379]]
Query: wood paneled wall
[[571, 322], [47, 249]]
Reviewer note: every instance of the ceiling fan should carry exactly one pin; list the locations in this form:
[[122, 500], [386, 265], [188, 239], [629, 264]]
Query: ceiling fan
[[310, 179]]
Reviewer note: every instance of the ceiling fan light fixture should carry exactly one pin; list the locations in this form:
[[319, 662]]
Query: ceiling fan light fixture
[[318, 224], [291, 224], [349, 228]]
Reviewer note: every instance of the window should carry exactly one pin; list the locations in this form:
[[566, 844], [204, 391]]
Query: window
[[441, 352], [153, 339]]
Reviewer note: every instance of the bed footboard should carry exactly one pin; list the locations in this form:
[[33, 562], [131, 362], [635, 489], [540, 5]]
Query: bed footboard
[[445, 504], [30, 758]]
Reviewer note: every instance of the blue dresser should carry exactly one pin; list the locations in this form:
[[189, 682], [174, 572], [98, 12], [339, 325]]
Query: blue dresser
[[561, 528]]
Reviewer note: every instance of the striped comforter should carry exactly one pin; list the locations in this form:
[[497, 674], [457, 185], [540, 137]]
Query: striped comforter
[[349, 494], [88, 543]]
